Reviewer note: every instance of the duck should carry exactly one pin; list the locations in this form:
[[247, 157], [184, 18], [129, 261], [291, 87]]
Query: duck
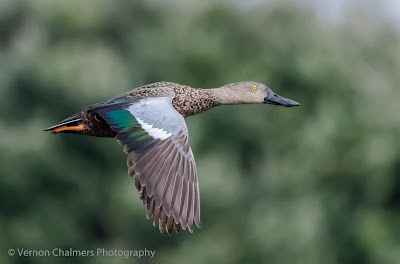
[[149, 121]]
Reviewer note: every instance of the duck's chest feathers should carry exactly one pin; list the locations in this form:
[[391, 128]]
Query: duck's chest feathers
[[189, 101]]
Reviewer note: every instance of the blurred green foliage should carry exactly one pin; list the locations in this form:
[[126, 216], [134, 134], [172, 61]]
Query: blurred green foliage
[[315, 184]]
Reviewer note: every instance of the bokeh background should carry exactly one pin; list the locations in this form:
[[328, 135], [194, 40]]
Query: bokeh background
[[314, 184]]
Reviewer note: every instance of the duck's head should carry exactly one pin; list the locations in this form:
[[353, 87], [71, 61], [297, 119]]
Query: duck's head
[[252, 93]]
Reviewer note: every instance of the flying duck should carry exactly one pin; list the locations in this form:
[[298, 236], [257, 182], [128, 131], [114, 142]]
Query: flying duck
[[149, 122]]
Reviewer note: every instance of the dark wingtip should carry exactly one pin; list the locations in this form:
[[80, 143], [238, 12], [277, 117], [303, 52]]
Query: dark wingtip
[[49, 129]]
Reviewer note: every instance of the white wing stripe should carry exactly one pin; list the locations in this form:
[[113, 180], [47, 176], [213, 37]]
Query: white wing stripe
[[153, 131]]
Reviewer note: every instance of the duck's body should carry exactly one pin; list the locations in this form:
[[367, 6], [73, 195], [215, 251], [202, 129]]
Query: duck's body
[[149, 121], [186, 100]]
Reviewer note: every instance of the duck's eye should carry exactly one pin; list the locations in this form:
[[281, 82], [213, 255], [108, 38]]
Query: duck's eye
[[254, 87]]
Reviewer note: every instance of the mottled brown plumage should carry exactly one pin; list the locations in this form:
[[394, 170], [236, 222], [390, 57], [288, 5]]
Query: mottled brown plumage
[[189, 101]]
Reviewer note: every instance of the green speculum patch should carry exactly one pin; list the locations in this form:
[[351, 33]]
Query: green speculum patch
[[122, 119]]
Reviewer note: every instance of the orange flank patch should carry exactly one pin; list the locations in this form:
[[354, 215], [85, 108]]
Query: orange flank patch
[[68, 128]]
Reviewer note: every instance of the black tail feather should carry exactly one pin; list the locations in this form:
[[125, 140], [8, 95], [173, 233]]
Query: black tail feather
[[71, 121]]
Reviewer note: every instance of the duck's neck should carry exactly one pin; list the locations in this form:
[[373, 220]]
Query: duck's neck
[[225, 96], [189, 101]]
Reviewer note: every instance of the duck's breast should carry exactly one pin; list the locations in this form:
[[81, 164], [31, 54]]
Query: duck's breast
[[189, 101]]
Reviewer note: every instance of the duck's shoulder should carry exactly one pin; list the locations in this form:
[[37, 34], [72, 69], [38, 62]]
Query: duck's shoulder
[[158, 89]]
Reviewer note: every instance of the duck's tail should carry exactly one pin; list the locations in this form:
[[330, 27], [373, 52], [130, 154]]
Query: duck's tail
[[72, 124]]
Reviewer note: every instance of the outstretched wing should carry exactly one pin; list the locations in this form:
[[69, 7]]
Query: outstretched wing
[[159, 158]]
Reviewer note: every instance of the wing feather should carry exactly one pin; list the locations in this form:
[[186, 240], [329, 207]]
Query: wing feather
[[197, 206], [184, 204], [159, 159], [176, 199], [191, 214]]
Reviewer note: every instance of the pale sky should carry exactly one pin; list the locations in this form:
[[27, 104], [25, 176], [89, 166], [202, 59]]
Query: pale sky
[[336, 9]]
